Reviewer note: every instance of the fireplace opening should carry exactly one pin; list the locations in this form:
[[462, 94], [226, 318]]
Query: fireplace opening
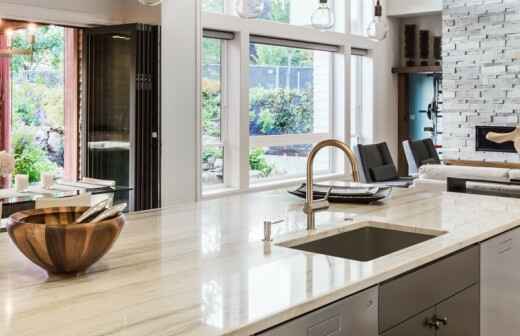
[[484, 145]]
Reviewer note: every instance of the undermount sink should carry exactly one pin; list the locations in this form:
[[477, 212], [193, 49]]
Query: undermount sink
[[365, 244]]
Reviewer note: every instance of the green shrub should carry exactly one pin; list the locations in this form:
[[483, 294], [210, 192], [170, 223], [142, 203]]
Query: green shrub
[[281, 111], [30, 158], [211, 109], [258, 162], [211, 152]]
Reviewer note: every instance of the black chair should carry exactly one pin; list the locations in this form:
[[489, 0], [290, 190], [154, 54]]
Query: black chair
[[419, 153], [378, 167]]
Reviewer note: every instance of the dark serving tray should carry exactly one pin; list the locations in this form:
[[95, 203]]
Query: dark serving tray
[[341, 194]]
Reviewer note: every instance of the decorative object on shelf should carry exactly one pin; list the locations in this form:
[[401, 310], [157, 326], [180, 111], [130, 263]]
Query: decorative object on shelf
[[150, 2], [249, 9], [506, 137], [21, 182], [31, 39], [323, 16], [378, 28], [50, 239], [47, 180], [410, 44], [424, 46], [437, 50], [7, 164]]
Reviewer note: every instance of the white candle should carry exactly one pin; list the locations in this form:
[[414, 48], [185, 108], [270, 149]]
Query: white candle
[[21, 182], [47, 180]]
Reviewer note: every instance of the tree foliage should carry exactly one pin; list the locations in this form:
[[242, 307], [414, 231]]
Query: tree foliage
[[38, 103], [280, 111]]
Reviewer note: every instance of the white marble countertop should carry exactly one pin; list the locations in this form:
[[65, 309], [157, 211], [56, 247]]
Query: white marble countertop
[[203, 270]]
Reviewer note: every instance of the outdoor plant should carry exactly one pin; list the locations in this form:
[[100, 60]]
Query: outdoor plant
[[280, 111], [30, 158], [38, 103], [258, 162]]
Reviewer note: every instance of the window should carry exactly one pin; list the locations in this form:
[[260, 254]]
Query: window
[[290, 109], [213, 6], [362, 12], [212, 113], [296, 12], [277, 10], [37, 103], [361, 107]]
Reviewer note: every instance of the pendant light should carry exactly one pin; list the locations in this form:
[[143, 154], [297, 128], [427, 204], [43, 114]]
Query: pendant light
[[150, 3], [323, 16], [378, 28], [249, 9]]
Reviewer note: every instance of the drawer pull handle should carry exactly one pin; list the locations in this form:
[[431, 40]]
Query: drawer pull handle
[[437, 322], [442, 320], [433, 324]]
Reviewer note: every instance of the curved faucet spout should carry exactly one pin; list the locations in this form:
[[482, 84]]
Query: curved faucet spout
[[311, 206]]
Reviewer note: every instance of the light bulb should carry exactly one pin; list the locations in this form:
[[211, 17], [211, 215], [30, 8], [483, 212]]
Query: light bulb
[[378, 28], [150, 2], [323, 17], [249, 9]]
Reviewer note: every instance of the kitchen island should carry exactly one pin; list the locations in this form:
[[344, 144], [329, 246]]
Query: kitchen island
[[202, 269]]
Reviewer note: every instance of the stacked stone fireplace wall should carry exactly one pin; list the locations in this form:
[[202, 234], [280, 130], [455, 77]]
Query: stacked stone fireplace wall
[[481, 74]]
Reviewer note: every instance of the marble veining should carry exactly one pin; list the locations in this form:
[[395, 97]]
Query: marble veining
[[202, 269]]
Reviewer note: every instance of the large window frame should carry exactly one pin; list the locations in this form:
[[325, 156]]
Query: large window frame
[[223, 144], [238, 141], [266, 141]]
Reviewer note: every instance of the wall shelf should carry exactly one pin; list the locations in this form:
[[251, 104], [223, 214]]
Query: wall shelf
[[418, 70]]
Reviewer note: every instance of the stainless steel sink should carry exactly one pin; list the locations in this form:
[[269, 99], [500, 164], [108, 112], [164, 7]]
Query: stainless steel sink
[[364, 244]]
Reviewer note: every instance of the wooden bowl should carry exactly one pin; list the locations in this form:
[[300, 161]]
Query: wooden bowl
[[51, 240]]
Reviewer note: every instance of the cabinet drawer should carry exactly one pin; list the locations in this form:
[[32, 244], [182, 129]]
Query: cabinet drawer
[[405, 296], [355, 315], [416, 326]]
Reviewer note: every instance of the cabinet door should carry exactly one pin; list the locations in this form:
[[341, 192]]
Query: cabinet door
[[500, 281], [461, 314], [353, 316], [416, 326]]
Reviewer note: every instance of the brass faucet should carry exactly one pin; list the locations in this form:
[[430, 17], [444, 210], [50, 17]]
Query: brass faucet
[[311, 206]]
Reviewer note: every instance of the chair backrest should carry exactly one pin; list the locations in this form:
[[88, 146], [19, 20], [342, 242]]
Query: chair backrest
[[419, 153], [377, 164], [82, 200]]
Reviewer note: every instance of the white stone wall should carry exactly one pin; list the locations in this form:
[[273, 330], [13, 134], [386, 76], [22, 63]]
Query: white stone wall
[[481, 66]]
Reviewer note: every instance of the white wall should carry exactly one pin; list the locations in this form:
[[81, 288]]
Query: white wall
[[386, 56], [180, 68], [413, 7]]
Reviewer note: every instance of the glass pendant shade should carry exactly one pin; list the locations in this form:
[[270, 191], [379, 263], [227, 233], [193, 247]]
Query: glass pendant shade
[[249, 9], [378, 29], [150, 2], [323, 16]]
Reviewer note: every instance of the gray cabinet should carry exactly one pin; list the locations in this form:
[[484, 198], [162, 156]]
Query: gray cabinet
[[439, 299], [353, 316], [416, 326], [500, 285], [456, 316], [460, 315]]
